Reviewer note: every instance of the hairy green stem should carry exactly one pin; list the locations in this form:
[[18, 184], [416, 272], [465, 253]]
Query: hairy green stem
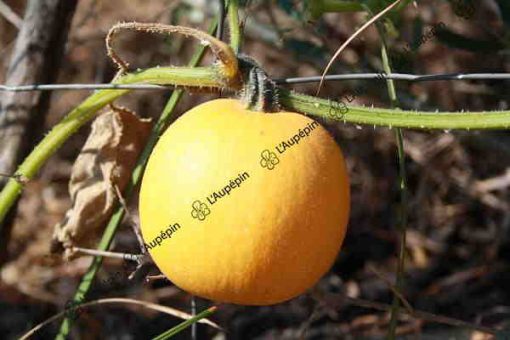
[[393, 117]]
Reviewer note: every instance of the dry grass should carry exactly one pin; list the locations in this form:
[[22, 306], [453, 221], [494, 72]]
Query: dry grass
[[458, 237]]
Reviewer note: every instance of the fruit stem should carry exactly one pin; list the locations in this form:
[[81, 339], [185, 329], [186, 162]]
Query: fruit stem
[[226, 58], [259, 92]]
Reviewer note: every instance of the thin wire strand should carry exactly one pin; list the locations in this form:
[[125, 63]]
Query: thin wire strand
[[351, 38], [398, 76], [193, 312], [58, 87], [297, 80], [10, 15]]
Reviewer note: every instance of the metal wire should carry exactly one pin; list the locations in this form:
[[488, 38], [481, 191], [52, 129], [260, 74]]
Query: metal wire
[[399, 76], [58, 87], [10, 15], [298, 80]]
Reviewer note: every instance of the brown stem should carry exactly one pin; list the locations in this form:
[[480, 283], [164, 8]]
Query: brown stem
[[226, 56]]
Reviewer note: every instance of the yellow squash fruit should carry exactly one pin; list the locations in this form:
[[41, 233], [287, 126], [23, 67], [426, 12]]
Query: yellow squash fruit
[[244, 207]]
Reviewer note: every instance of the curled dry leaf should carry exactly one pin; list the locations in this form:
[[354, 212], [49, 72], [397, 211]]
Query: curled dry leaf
[[105, 162]]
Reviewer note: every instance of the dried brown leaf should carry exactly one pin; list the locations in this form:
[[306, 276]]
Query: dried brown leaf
[[105, 161]]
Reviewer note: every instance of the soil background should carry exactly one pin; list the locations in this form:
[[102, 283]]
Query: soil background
[[458, 236]]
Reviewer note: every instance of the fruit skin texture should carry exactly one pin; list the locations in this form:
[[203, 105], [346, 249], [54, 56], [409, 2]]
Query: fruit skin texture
[[274, 234]]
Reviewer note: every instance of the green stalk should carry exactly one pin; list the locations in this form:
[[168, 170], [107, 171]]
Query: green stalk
[[136, 176], [402, 211], [235, 28], [184, 76], [396, 118], [402, 227], [185, 324]]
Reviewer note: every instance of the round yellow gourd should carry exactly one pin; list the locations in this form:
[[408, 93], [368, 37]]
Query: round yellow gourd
[[244, 207]]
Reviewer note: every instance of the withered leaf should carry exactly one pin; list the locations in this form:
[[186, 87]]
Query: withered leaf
[[105, 161]]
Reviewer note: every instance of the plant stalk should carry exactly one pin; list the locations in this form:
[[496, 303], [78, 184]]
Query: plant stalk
[[235, 28], [402, 209], [183, 325], [419, 120]]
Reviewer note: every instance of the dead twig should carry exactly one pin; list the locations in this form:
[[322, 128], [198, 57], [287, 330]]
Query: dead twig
[[160, 308], [10, 15], [335, 300], [351, 38]]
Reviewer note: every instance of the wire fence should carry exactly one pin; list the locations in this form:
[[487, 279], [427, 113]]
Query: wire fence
[[295, 80]]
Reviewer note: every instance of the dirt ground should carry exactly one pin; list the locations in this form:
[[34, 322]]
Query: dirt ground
[[458, 234]]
